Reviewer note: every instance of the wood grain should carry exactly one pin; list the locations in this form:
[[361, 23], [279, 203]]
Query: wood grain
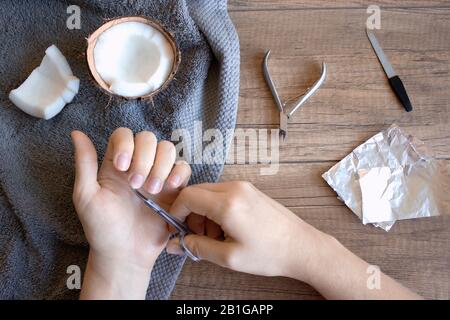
[[355, 103], [258, 5]]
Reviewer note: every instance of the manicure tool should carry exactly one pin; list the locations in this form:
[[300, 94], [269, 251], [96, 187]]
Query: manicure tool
[[182, 229], [288, 108], [394, 79]]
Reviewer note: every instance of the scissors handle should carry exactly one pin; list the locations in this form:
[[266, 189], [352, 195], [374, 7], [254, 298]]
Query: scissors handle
[[186, 250]]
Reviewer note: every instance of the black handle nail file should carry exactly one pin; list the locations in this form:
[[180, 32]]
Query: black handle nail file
[[400, 91], [394, 80]]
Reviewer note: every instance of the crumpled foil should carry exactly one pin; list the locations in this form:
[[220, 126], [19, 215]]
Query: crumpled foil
[[392, 176]]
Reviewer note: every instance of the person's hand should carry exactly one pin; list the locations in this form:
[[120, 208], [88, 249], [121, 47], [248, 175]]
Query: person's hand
[[260, 235], [201, 225], [124, 235]]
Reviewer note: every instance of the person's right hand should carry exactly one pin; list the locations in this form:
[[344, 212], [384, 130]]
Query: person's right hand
[[260, 235], [264, 238]]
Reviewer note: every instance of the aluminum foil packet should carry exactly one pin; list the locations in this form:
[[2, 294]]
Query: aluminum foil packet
[[392, 176]]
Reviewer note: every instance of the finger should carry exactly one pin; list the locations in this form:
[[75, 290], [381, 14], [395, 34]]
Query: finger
[[86, 165], [164, 160], [213, 230], [194, 199], [196, 223], [120, 148], [180, 174], [205, 248], [145, 144]]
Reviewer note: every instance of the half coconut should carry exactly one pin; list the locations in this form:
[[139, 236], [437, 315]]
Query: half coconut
[[132, 57]]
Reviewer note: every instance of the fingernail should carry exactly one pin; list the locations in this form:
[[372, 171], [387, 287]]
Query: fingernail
[[175, 181], [136, 181], [122, 162], [174, 248], [154, 185]]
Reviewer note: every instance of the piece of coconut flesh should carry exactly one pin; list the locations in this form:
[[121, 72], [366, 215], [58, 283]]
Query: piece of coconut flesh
[[48, 88], [133, 58]]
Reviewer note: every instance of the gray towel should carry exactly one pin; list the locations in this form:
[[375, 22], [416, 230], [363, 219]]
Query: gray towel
[[40, 232]]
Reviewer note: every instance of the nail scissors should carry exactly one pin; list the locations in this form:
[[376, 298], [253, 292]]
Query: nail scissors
[[181, 228], [288, 108]]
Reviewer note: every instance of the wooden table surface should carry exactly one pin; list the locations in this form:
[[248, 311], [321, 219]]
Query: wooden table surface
[[355, 103]]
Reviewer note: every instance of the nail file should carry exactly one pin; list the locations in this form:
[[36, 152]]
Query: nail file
[[394, 80]]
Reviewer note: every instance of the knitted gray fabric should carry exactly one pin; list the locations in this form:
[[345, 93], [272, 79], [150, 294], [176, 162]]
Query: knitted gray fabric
[[40, 233]]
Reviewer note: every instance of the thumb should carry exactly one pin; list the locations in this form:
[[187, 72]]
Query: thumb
[[203, 247], [86, 165]]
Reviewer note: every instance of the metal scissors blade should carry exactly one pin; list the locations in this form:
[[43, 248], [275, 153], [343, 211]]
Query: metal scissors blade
[[174, 222], [182, 229]]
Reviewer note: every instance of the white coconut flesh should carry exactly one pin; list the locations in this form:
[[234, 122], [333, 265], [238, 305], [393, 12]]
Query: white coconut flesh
[[133, 58], [48, 88]]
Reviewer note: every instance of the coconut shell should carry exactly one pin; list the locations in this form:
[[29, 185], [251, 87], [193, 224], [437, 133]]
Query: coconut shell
[[92, 41]]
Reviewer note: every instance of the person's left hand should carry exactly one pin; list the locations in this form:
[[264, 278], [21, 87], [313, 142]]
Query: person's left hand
[[122, 231]]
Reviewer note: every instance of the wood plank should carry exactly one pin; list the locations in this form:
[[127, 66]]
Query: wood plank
[[320, 142], [245, 5], [415, 252], [296, 185], [207, 281], [351, 95]]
